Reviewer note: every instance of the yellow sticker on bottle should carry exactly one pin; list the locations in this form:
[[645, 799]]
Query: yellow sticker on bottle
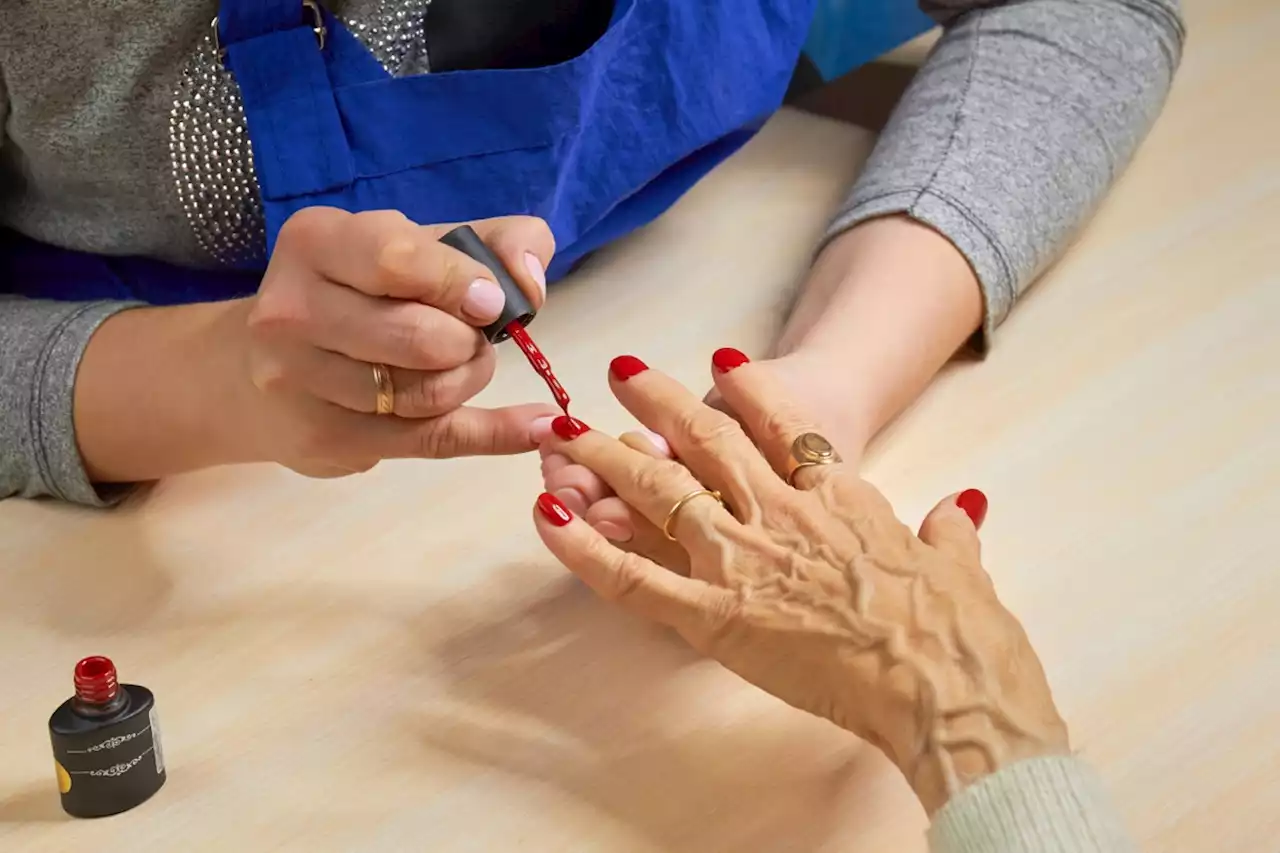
[[64, 778]]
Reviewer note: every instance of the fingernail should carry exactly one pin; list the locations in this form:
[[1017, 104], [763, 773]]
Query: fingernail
[[614, 532], [728, 358], [568, 428], [658, 441], [540, 430], [536, 270], [625, 366], [484, 300], [554, 511], [575, 500], [974, 504]]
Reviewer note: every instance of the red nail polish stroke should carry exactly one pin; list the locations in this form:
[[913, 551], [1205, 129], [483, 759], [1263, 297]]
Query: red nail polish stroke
[[539, 363]]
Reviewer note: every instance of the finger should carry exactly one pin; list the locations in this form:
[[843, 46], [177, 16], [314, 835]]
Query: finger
[[952, 527], [765, 408], [465, 431], [525, 245], [634, 583], [651, 486], [394, 332], [631, 531], [383, 253], [416, 394], [709, 442], [648, 442], [577, 485]]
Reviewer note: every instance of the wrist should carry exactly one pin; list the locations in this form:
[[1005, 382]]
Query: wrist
[[158, 392]]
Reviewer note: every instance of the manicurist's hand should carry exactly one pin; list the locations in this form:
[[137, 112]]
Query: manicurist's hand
[[363, 343], [797, 575]]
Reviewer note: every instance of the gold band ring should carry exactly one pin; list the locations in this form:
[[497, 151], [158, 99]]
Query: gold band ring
[[679, 505], [385, 403], [809, 451]]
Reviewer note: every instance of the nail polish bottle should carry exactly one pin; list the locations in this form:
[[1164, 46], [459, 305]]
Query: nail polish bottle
[[518, 308], [106, 743]]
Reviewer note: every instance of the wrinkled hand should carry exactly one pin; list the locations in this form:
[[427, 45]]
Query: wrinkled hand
[[346, 291], [815, 593]]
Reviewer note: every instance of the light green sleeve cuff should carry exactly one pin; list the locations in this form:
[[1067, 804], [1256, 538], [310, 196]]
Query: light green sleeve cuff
[[1044, 805]]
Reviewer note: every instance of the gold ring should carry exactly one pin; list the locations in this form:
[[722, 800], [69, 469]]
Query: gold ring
[[385, 403], [809, 451], [671, 516]]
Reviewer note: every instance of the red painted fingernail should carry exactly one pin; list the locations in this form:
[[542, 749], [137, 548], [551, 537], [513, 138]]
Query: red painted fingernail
[[568, 428], [625, 366], [728, 358], [974, 504], [553, 510]]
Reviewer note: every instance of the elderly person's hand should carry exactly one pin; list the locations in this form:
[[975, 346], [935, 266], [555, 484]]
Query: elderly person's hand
[[815, 591]]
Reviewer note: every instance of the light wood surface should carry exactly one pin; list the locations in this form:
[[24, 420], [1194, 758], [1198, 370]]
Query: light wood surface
[[392, 663]]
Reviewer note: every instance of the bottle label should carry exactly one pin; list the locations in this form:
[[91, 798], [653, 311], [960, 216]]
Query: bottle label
[[156, 749]]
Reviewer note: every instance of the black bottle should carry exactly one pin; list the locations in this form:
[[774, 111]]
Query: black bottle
[[106, 743]]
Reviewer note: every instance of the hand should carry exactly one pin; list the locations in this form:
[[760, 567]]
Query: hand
[[815, 593], [587, 495], [346, 291]]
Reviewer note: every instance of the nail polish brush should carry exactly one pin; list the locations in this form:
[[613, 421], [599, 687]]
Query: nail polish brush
[[517, 311]]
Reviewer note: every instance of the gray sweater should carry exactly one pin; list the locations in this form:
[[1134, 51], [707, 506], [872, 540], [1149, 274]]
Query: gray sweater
[[1021, 119]]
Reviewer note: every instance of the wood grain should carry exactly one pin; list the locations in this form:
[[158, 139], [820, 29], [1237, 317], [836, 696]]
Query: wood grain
[[392, 663]]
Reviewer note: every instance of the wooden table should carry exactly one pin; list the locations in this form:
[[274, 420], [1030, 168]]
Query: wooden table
[[392, 663]]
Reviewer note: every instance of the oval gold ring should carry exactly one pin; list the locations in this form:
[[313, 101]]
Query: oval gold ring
[[385, 403], [809, 451], [679, 505]]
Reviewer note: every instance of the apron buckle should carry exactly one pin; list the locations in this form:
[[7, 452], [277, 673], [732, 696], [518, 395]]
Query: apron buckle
[[317, 26]]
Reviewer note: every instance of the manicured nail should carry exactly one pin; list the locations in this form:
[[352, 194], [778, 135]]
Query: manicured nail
[[727, 359], [554, 511], [974, 504], [658, 442], [540, 430], [484, 301], [568, 428], [625, 366], [536, 270], [614, 532]]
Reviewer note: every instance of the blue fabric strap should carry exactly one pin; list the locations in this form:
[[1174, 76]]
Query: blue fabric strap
[[288, 100]]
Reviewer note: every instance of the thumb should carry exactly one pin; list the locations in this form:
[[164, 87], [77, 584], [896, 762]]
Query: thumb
[[952, 526], [469, 431]]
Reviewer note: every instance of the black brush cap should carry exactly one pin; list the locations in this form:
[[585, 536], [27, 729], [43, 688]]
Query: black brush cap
[[517, 307]]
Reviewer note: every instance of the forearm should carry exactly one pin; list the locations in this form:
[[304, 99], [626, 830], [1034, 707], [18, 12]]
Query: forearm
[[156, 393], [891, 300], [1018, 124]]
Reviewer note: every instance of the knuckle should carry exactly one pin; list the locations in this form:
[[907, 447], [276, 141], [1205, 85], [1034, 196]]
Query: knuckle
[[303, 225], [627, 576], [432, 394], [414, 341], [394, 258], [271, 376], [783, 423], [281, 310], [707, 428], [660, 477], [322, 439]]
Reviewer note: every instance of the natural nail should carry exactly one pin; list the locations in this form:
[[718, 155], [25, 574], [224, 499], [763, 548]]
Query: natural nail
[[614, 532], [660, 443], [540, 430], [537, 271], [568, 428], [484, 301], [625, 366], [728, 358], [974, 504], [554, 511]]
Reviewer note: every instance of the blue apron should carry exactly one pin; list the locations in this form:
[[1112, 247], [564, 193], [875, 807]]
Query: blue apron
[[597, 146]]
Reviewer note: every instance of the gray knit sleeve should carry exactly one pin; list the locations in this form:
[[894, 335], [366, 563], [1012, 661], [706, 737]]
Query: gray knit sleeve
[[40, 348], [1023, 116]]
